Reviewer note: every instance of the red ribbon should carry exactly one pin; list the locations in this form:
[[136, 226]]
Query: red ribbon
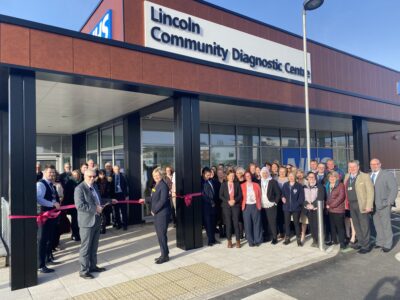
[[188, 198], [129, 201]]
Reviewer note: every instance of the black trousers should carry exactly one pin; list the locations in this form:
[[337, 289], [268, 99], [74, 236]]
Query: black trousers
[[361, 225], [161, 225], [209, 216], [231, 218], [269, 217], [313, 222], [74, 221], [296, 223], [280, 218], [327, 227], [105, 216], [120, 211], [45, 235], [337, 228]]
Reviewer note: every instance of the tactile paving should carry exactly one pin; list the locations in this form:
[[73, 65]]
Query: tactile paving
[[182, 283]]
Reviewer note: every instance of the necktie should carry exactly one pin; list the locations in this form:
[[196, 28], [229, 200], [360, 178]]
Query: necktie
[[373, 177]]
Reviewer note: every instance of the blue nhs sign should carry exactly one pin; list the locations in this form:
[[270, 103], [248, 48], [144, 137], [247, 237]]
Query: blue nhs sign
[[103, 28]]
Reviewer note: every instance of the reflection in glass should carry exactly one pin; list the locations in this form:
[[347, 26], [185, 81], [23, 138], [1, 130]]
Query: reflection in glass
[[339, 139], [205, 156], [303, 139], [270, 154], [204, 135], [91, 141], [222, 135], [290, 138], [93, 156], [118, 135], [106, 156], [270, 137], [155, 132], [48, 143], [248, 136], [324, 139], [106, 137], [223, 155], [247, 155], [66, 144], [119, 158]]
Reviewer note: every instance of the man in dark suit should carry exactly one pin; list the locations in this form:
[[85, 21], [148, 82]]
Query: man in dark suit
[[119, 191], [88, 204], [161, 210], [208, 205], [66, 175]]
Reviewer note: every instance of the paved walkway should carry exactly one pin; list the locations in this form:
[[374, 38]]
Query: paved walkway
[[129, 258]]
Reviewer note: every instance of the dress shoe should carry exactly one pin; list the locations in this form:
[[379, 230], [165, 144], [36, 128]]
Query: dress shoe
[[217, 242], [86, 276], [157, 258], [103, 231], [329, 243], [377, 247], [299, 243], [46, 270], [51, 261], [258, 245], [210, 244], [76, 238], [274, 241], [386, 250], [229, 243], [286, 242], [251, 245], [162, 260], [97, 269], [355, 246], [118, 227], [237, 244], [363, 251], [343, 246]]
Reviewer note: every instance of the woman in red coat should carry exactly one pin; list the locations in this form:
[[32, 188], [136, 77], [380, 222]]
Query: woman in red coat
[[251, 207], [335, 204]]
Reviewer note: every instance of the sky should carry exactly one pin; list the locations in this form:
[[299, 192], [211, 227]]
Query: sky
[[366, 28]]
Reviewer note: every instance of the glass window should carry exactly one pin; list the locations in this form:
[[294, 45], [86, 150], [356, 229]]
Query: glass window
[[91, 141], [290, 138], [224, 155], [247, 155], [119, 158], [303, 138], [338, 139], [350, 143], [270, 154], [118, 135], [156, 132], [204, 135], [222, 135], [106, 137], [248, 136], [92, 156], [324, 139], [270, 137], [340, 157], [48, 144], [205, 156], [67, 144], [106, 156]]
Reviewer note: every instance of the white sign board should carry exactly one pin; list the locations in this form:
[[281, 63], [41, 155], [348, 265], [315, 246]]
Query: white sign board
[[173, 31]]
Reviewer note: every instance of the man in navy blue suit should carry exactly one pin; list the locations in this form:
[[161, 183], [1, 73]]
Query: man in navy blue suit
[[119, 191]]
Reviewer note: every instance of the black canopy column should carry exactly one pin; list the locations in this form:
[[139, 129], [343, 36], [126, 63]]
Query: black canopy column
[[187, 168], [361, 143], [133, 168], [22, 177]]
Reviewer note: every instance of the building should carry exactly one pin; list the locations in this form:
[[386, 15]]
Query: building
[[181, 83]]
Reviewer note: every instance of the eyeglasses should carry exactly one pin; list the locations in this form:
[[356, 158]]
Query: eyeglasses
[[91, 176]]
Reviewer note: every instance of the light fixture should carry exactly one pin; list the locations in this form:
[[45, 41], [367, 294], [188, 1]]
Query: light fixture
[[312, 4]]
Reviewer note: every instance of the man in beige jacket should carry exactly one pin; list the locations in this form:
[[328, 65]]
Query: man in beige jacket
[[360, 196]]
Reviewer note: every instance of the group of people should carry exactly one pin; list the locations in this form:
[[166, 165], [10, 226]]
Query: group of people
[[54, 190], [259, 204], [264, 204]]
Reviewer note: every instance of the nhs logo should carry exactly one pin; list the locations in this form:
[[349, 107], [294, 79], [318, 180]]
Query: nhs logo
[[103, 29]]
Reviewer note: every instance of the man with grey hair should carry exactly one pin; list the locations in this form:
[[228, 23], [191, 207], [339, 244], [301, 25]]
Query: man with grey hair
[[360, 195], [88, 204], [386, 189]]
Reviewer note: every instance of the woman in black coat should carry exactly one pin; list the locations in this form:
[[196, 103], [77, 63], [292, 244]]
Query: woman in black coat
[[230, 194], [161, 210]]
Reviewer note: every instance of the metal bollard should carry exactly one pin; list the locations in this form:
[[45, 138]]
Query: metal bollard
[[321, 233]]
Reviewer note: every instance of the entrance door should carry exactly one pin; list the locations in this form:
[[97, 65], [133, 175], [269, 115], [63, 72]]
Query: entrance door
[[52, 160]]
